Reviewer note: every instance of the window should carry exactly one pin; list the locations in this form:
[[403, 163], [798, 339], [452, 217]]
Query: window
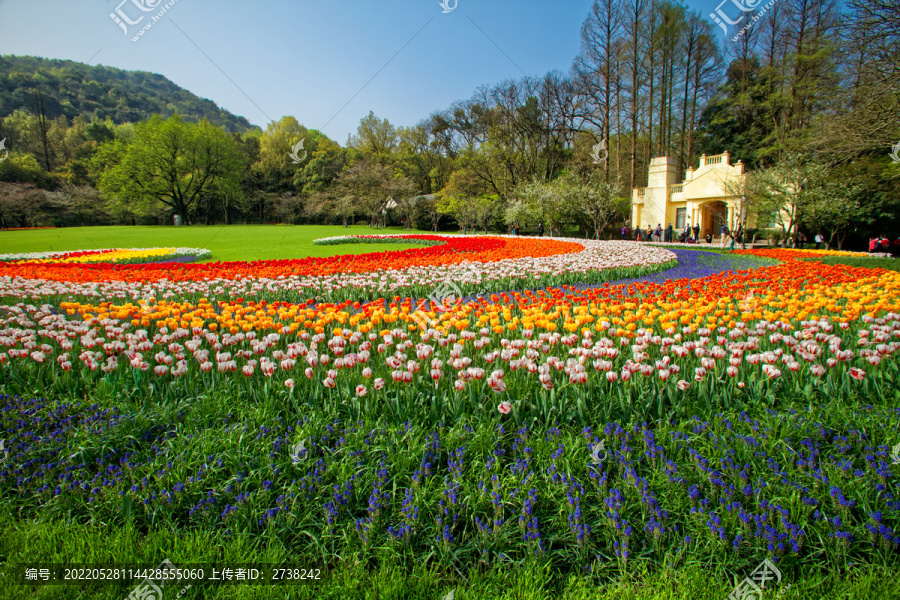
[[680, 214]]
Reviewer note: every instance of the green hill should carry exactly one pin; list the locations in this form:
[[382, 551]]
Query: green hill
[[71, 89]]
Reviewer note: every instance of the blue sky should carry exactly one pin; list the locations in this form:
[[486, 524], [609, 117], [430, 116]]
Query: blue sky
[[326, 62]]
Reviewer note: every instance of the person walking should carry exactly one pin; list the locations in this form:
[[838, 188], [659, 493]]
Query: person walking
[[819, 240], [649, 233], [726, 233], [625, 233], [541, 229], [739, 236], [658, 232], [696, 232], [670, 231]]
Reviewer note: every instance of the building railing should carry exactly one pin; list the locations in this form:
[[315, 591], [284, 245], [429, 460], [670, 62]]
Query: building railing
[[676, 189], [718, 159]]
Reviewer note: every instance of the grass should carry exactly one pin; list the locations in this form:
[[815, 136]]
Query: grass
[[891, 264], [227, 243], [351, 580]]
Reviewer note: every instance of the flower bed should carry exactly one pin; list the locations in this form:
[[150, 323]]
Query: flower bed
[[590, 500], [797, 329], [112, 256], [746, 408], [470, 264]]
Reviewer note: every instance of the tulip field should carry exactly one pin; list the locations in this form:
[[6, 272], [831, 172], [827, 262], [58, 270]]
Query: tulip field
[[491, 416]]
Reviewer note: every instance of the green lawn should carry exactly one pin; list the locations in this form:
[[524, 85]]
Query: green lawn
[[863, 261], [227, 243]]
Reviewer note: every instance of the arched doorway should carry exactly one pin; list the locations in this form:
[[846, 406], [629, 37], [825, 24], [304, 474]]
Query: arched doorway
[[712, 215]]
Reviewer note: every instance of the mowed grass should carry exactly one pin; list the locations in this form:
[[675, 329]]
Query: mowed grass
[[226, 242]]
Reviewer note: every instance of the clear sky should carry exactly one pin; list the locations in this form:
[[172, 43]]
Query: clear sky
[[326, 62]]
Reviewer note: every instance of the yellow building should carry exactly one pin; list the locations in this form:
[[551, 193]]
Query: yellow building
[[702, 197]]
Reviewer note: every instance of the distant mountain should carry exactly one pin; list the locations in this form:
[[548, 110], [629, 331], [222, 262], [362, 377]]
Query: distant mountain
[[71, 88]]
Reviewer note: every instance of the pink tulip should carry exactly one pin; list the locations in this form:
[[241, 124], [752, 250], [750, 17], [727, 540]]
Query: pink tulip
[[857, 374], [361, 391], [289, 384], [328, 382], [378, 383], [683, 385], [504, 407], [160, 370], [247, 370], [771, 371]]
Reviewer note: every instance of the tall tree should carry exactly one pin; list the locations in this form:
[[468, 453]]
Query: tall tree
[[171, 162]]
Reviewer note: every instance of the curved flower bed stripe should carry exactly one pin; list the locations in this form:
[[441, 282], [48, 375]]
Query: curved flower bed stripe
[[793, 254], [24, 228], [375, 239], [594, 262], [119, 256], [455, 250]]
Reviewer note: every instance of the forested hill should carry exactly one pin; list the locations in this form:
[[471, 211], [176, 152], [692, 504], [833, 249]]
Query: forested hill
[[71, 89]]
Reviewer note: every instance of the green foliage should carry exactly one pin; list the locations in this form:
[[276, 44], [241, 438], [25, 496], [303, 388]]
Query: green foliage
[[175, 163], [24, 168], [568, 200], [741, 119], [97, 93]]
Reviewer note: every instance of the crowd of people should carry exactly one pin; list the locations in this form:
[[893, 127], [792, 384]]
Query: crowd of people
[[884, 244], [689, 235]]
